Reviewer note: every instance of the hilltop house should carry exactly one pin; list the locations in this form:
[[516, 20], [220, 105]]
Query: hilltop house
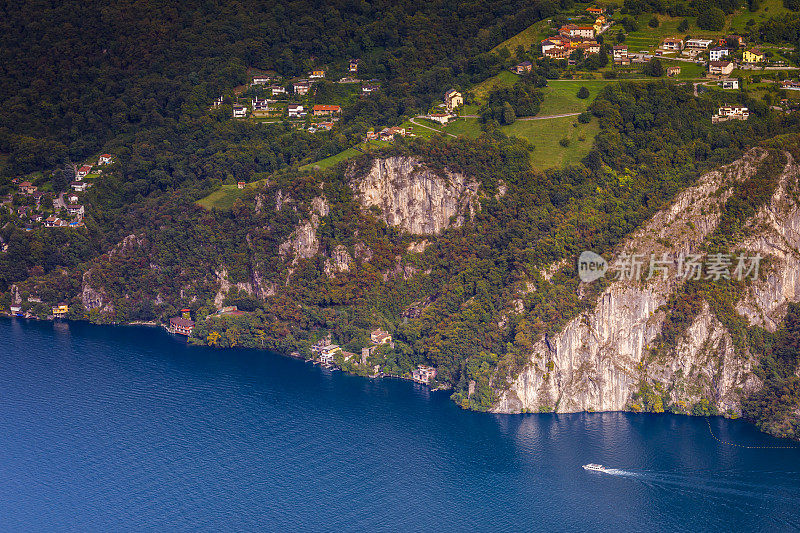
[[595, 10], [75, 209], [524, 67], [318, 73], [380, 336], [301, 88], [295, 110], [181, 326], [441, 118], [453, 99], [79, 186], [261, 80], [83, 171], [105, 159], [239, 111], [260, 105], [423, 374], [573, 30], [720, 68], [672, 43], [277, 89], [354, 65], [731, 113], [754, 55], [717, 53], [698, 44], [324, 110]]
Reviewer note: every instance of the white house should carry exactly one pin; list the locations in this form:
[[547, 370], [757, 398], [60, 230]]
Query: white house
[[277, 89], [239, 111], [83, 172], [105, 159], [730, 84], [731, 113], [261, 80], [301, 88], [453, 99], [296, 110], [698, 44], [79, 186], [423, 374], [74, 209], [717, 53], [260, 105]]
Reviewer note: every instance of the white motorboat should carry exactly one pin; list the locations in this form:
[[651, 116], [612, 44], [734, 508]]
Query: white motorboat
[[594, 467]]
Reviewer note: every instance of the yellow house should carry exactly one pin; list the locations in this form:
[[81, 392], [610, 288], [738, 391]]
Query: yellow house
[[60, 310], [599, 23], [754, 55]]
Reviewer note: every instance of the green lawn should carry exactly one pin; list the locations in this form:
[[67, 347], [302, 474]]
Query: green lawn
[[533, 34], [469, 127], [546, 134], [331, 161], [647, 38], [560, 96], [767, 9], [224, 197]]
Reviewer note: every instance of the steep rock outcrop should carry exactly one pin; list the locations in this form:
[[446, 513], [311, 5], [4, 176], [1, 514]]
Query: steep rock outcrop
[[599, 359], [415, 197]]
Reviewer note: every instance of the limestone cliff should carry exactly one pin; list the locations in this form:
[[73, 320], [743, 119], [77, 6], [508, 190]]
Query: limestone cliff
[[414, 197], [600, 358]]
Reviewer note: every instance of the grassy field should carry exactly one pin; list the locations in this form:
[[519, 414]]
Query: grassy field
[[224, 197], [647, 38], [546, 134], [469, 127], [328, 162], [767, 9], [560, 96], [530, 35]]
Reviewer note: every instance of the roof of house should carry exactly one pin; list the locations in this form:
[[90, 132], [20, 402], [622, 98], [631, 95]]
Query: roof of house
[[106, 155], [74, 206], [319, 107], [525, 64], [451, 92], [86, 167], [25, 184], [180, 321], [718, 63], [295, 106], [672, 40], [755, 51]]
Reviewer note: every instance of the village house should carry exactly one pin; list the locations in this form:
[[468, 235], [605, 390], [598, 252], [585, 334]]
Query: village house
[[239, 111], [672, 43], [720, 68], [717, 53], [241, 184], [598, 24], [317, 73], [453, 99], [619, 52], [557, 52], [295, 110], [16, 310], [52, 222], [60, 310], [301, 88], [277, 89], [181, 325], [79, 186], [26, 187], [354, 65], [423, 374], [325, 110], [380, 336], [698, 44], [790, 85], [105, 159], [368, 88], [441, 118], [260, 105], [261, 80], [72, 198], [326, 353], [83, 171], [754, 55], [553, 42], [731, 113], [673, 71], [730, 84], [327, 126], [75, 209], [524, 67], [388, 134], [596, 10], [573, 30]]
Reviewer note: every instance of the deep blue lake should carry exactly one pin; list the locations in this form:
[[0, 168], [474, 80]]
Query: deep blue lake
[[128, 428]]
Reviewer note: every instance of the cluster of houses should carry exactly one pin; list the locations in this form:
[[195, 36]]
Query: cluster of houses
[[68, 204], [59, 310], [386, 134], [572, 37], [452, 100]]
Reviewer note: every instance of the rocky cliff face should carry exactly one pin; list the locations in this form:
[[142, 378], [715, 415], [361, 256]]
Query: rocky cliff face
[[598, 361], [414, 197]]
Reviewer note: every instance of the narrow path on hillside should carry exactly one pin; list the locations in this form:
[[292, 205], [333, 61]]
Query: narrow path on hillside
[[543, 117], [428, 127]]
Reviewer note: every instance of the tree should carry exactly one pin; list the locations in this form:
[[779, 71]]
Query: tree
[[508, 114], [583, 93], [653, 22], [711, 19], [683, 26], [653, 68], [621, 36]]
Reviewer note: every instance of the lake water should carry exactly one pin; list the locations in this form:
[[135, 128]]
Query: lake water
[[128, 428]]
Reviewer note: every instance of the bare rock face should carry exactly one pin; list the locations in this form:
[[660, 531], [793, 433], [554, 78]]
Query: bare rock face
[[339, 261], [600, 358], [303, 242], [225, 285], [414, 197]]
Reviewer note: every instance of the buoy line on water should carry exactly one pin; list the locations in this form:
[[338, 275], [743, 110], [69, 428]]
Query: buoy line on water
[[749, 447]]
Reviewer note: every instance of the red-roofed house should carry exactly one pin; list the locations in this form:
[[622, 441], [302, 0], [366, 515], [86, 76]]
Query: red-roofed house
[[83, 171], [181, 326], [322, 110], [104, 159]]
